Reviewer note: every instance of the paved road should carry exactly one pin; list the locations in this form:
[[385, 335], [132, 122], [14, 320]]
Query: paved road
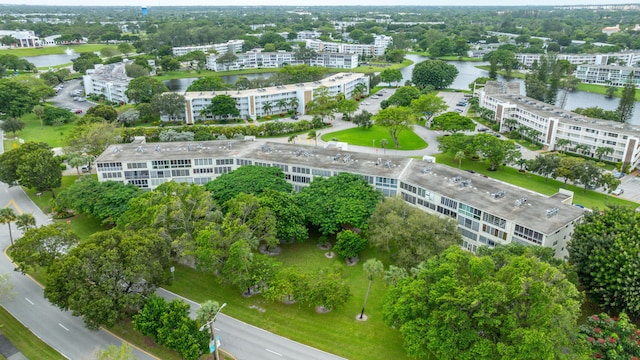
[[247, 342]]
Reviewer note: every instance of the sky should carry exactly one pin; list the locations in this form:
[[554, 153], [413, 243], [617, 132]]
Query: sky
[[152, 3]]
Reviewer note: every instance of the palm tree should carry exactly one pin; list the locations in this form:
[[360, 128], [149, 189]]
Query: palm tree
[[25, 222], [373, 268], [294, 102], [7, 216], [282, 104], [582, 149], [603, 151], [267, 107], [313, 135], [383, 145], [460, 155], [358, 90], [292, 139], [510, 123], [533, 135], [562, 143]]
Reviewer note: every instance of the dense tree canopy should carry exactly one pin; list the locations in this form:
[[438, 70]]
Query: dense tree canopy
[[249, 179], [107, 276], [42, 246], [605, 250], [344, 201], [461, 306], [142, 89], [453, 122], [435, 73], [409, 235]]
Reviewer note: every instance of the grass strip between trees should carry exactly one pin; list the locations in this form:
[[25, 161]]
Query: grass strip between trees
[[364, 137]]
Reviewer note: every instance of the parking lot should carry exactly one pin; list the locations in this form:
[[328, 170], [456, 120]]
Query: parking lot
[[64, 97]]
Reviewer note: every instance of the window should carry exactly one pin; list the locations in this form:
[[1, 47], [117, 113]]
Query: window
[[468, 223], [224, 161], [136, 174], [447, 212], [368, 178], [283, 167], [409, 198], [201, 181], [112, 175], [324, 173], [426, 204], [180, 163], [301, 179], [159, 174], [157, 182], [160, 164], [528, 234], [222, 169], [408, 187], [468, 234], [494, 231], [136, 165], [111, 166], [300, 170], [243, 162], [179, 172], [469, 211], [449, 202], [258, 163], [494, 220], [487, 241], [140, 183], [203, 171], [202, 162]]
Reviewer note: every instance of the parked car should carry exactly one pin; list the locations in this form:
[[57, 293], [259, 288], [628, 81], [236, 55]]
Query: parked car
[[77, 111], [618, 175], [617, 192]]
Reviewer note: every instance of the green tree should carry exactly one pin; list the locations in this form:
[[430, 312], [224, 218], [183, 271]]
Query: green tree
[[391, 76], [587, 173], [91, 139], [38, 111], [221, 105], [106, 112], [289, 284], [40, 170], [442, 47], [408, 234], [459, 156], [208, 83], [15, 98], [10, 160], [7, 216], [349, 244], [267, 107], [142, 89], [603, 151], [495, 151], [342, 201], [290, 221], [435, 73], [170, 104], [373, 268], [627, 101], [453, 122], [604, 251], [246, 219], [347, 107], [403, 96], [328, 290], [322, 104], [176, 212], [179, 332], [169, 63], [12, 125], [461, 306], [105, 201], [41, 247], [106, 277], [544, 165], [206, 314], [396, 119], [363, 119], [25, 221], [249, 179], [428, 105]]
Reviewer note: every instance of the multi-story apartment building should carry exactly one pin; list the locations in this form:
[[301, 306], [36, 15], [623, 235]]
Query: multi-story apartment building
[[232, 46], [381, 42], [251, 103], [257, 59], [488, 212], [554, 123], [621, 58], [109, 80], [304, 35], [608, 74]]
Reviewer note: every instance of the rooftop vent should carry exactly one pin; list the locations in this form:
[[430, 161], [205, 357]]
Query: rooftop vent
[[552, 212], [426, 169], [500, 194], [520, 202]]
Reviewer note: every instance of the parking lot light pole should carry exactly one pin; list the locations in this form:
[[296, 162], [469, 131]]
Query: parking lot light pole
[[211, 331]]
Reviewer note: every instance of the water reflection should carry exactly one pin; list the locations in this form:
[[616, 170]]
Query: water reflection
[[51, 60], [181, 85]]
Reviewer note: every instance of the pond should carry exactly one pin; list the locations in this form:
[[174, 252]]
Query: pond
[[181, 85]]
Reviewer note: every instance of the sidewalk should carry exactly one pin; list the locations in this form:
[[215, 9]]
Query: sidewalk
[[9, 351]]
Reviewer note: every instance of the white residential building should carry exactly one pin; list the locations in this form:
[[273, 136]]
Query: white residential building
[[304, 35], [251, 103], [381, 42], [488, 212], [109, 80], [607, 74], [234, 46], [257, 59], [554, 123], [621, 58]]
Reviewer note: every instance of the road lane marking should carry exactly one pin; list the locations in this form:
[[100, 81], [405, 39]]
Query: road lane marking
[[273, 352], [29, 301], [15, 205], [62, 326]]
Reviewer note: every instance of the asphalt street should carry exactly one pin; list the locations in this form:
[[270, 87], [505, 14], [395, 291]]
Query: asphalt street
[[247, 342]]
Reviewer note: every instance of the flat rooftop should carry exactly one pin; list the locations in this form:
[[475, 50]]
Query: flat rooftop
[[485, 193]]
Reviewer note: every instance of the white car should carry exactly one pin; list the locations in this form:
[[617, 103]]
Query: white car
[[366, 103], [617, 192]]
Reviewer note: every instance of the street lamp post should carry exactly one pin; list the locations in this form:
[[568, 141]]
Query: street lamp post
[[211, 331]]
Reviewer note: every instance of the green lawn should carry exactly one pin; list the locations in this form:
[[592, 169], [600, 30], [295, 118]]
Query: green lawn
[[337, 332], [52, 135], [364, 137], [377, 67], [50, 50], [590, 199], [24, 340]]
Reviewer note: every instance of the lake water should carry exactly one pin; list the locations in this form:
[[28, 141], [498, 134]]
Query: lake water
[[51, 60], [181, 85]]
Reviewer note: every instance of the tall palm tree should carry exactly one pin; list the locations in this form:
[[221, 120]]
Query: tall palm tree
[[562, 143], [7, 216], [373, 268], [282, 104], [460, 155], [267, 107], [294, 103], [25, 222]]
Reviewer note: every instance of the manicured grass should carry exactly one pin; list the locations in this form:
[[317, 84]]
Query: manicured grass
[[125, 330], [24, 340], [375, 67], [364, 137], [50, 50], [336, 332], [589, 199], [52, 135]]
